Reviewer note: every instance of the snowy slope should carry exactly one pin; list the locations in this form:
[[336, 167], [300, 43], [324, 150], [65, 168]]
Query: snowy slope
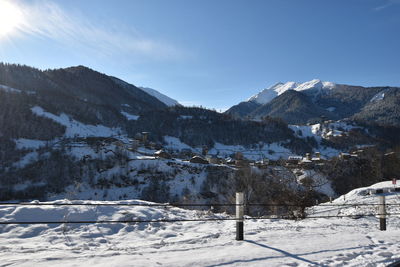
[[130, 117], [261, 150], [13, 90], [270, 242], [325, 130], [273, 151], [270, 93], [75, 128], [9, 89], [379, 96], [163, 98]]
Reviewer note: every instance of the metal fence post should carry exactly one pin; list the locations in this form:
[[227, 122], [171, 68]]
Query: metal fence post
[[382, 213], [239, 215]]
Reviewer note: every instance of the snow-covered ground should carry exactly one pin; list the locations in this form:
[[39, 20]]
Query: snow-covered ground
[[320, 182], [23, 143], [347, 204], [269, 242], [275, 151], [326, 130], [130, 117], [13, 90], [272, 151], [9, 89], [75, 128]]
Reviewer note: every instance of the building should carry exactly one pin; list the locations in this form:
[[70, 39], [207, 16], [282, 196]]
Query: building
[[294, 159]]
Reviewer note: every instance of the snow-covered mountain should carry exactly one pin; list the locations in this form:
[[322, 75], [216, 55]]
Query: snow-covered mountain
[[266, 95], [309, 102], [84, 127], [163, 98]]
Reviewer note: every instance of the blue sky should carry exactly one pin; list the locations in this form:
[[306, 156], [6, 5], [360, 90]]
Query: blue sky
[[213, 53]]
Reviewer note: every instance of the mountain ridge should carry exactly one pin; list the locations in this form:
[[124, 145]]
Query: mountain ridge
[[326, 100], [163, 98], [268, 94]]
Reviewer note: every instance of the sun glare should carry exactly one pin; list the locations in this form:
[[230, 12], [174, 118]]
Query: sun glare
[[10, 17]]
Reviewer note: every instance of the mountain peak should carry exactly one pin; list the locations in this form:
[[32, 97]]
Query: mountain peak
[[277, 89]]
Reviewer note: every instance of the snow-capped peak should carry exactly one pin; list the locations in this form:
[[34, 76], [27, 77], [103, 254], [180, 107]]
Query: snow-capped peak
[[270, 93], [317, 84], [163, 98]]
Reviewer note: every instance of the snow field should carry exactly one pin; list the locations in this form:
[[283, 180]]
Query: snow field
[[269, 242], [13, 90], [75, 128]]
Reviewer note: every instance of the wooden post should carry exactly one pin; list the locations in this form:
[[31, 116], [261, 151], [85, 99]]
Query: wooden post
[[382, 213], [239, 215]]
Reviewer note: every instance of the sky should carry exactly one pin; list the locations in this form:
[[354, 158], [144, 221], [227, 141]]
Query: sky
[[213, 53]]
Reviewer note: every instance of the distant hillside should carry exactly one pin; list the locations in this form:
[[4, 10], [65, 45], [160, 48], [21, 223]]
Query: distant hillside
[[383, 109], [346, 100], [310, 101], [197, 126], [86, 95], [293, 107], [92, 98], [243, 109]]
